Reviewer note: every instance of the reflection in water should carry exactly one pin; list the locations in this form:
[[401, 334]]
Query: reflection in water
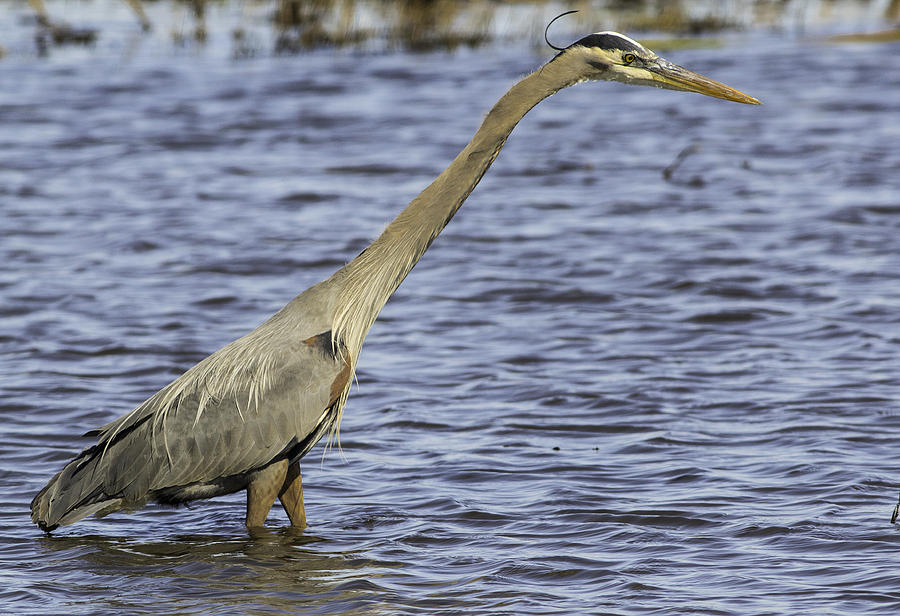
[[267, 570]]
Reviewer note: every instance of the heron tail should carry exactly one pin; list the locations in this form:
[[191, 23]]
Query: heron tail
[[74, 493]]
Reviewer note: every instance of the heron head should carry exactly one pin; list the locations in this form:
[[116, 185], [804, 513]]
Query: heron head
[[610, 56]]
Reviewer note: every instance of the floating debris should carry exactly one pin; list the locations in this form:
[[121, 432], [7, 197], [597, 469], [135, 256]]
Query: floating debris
[[896, 511]]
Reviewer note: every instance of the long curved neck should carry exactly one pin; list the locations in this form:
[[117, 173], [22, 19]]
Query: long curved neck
[[368, 281]]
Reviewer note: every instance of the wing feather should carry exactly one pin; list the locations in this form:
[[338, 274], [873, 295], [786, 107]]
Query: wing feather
[[186, 436]]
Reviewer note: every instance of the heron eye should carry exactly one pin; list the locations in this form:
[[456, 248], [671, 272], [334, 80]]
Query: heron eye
[[628, 58]]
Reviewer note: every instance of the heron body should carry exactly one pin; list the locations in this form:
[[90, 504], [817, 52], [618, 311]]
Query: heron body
[[242, 418]]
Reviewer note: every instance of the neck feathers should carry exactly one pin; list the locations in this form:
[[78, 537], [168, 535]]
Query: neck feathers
[[368, 281]]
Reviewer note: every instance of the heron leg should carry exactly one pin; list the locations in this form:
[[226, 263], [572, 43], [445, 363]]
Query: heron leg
[[291, 496], [262, 490]]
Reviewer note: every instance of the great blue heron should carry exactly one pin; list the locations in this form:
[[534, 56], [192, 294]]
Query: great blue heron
[[243, 417]]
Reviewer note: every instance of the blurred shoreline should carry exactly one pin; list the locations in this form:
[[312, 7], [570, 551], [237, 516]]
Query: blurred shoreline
[[265, 27]]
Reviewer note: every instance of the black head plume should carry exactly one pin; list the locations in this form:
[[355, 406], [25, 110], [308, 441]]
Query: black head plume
[[552, 46]]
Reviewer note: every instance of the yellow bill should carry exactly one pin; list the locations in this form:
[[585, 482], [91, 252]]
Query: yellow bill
[[674, 77]]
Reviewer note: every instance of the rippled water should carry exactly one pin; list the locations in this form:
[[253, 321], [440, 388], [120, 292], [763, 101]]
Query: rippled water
[[602, 391]]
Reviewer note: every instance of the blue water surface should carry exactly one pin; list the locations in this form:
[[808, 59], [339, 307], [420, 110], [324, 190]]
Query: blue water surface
[[622, 381]]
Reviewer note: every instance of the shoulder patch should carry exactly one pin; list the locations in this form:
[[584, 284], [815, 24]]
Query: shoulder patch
[[324, 343]]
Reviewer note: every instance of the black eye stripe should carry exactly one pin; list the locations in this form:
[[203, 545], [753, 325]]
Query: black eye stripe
[[607, 41]]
